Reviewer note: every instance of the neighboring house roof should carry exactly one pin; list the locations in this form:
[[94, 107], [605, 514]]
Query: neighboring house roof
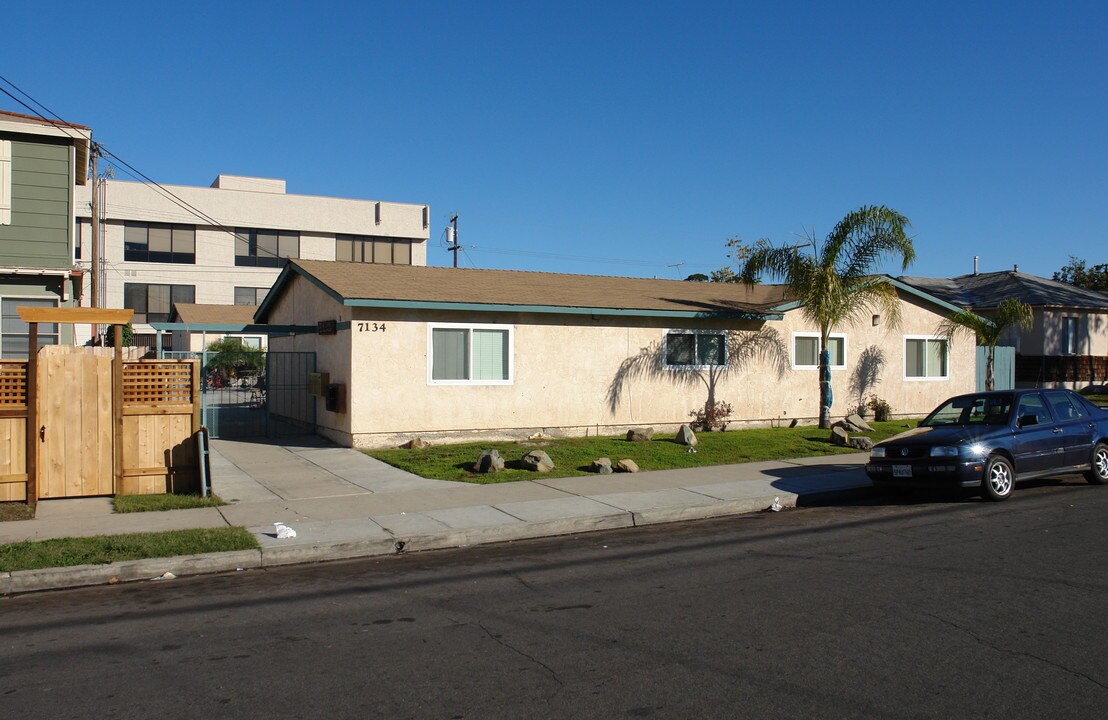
[[79, 134], [440, 288], [197, 314], [987, 290]]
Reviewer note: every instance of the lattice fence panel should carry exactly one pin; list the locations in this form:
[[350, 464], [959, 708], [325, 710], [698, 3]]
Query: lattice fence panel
[[13, 383], [159, 382]]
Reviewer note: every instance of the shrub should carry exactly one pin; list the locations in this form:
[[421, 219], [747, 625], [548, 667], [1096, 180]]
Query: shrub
[[713, 416]]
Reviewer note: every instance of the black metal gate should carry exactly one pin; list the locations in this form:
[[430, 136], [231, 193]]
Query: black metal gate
[[254, 393]]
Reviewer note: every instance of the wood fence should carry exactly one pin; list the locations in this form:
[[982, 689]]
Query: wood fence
[[13, 430], [98, 435]]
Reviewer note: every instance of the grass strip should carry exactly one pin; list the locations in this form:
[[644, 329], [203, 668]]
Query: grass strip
[[102, 549], [163, 501], [573, 456]]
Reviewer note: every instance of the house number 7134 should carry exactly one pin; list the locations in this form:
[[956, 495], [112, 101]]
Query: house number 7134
[[371, 327]]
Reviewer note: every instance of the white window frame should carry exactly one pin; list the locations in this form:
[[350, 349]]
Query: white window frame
[[904, 358], [431, 327], [1071, 332], [680, 331], [816, 335], [5, 182]]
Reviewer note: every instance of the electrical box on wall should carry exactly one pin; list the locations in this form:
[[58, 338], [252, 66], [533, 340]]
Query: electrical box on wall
[[335, 401], [317, 383]]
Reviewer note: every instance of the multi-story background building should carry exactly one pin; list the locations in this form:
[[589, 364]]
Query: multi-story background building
[[226, 244]]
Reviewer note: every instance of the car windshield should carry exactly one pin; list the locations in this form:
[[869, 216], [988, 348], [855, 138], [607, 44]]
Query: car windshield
[[971, 410]]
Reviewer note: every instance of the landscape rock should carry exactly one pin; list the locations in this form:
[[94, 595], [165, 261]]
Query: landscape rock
[[839, 436], [537, 460], [686, 436], [416, 444], [602, 466], [489, 461], [640, 434], [627, 465], [859, 423], [862, 443]]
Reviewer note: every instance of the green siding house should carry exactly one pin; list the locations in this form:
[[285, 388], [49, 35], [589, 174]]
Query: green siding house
[[41, 163]]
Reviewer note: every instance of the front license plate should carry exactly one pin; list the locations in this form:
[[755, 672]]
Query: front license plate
[[902, 471]]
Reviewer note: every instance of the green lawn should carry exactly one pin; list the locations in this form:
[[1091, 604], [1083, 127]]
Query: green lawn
[[102, 549], [572, 456], [163, 501]]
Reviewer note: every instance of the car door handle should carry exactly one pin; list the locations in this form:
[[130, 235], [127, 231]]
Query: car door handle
[[1056, 430]]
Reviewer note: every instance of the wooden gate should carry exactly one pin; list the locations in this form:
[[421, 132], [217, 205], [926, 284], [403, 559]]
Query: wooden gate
[[13, 430], [75, 422]]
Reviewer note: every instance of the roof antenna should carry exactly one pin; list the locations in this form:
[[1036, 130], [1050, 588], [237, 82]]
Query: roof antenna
[[975, 265], [677, 265]]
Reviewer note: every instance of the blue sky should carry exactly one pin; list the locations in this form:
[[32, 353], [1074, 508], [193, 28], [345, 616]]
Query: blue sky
[[613, 138]]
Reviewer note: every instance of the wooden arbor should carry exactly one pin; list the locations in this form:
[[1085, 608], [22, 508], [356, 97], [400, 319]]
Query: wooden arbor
[[93, 316]]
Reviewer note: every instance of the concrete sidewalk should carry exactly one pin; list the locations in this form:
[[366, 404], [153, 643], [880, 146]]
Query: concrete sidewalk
[[344, 504]]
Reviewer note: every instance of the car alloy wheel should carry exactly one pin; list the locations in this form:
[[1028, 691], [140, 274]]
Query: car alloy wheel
[[1098, 473], [999, 479]]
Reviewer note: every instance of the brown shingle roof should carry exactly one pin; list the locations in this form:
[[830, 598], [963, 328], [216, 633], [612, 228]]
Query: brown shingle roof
[[358, 281], [20, 117], [195, 314]]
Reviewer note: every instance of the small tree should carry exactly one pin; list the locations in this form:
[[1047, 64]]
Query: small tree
[[1010, 313], [1077, 273], [233, 359]]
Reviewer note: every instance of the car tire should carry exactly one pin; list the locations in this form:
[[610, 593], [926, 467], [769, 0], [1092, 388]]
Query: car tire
[[1098, 473], [999, 480]]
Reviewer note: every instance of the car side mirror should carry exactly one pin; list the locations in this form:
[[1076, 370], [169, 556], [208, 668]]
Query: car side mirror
[[1028, 420]]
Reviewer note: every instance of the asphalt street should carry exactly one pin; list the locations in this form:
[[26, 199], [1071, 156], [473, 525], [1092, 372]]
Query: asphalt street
[[911, 608]]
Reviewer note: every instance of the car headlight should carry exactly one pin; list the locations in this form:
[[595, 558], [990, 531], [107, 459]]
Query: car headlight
[[944, 451], [977, 450], [877, 452]]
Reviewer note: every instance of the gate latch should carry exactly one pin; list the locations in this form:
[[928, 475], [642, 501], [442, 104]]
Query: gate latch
[[42, 434]]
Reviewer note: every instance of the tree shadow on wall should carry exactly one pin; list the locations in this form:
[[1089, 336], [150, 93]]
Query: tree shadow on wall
[[743, 347], [867, 373]]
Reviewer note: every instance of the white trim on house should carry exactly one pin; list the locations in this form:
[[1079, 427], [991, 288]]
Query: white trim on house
[[925, 377], [833, 336], [510, 359], [694, 366]]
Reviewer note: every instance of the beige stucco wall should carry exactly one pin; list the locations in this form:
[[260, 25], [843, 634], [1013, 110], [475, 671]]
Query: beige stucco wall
[[1047, 335], [303, 303], [567, 374]]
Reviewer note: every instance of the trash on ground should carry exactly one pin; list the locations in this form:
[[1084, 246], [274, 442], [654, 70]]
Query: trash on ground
[[776, 506], [167, 575], [284, 532]]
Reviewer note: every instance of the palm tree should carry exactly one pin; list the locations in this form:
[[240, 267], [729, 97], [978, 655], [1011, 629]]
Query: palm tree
[[1010, 313], [835, 284]]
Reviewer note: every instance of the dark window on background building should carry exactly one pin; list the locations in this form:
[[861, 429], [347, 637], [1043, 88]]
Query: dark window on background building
[[265, 248], [159, 242], [153, 303], [372, 249], [249, 295]]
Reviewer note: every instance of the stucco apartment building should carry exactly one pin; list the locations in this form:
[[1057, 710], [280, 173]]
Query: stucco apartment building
[[43, 165], [226, 244], [462, 354]]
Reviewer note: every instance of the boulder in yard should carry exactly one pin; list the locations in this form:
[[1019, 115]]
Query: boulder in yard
[[537, 460], [859, 423], [602, 466], [839, 436], [640, 434], [416, 444], [686, 436], [627, 465], [489, 461], [861, 443]]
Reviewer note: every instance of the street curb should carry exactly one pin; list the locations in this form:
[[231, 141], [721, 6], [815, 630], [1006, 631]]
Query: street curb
[[25, 581]]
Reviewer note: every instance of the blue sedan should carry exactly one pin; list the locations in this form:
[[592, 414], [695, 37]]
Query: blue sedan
[[987, 441]]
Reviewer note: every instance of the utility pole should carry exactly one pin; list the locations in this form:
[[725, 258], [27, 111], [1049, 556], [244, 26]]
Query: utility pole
[[95, 239], [452, 238]]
